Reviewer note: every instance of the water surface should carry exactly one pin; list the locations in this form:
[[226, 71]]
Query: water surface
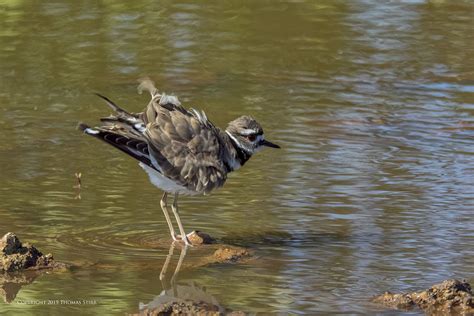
[[371, 101]]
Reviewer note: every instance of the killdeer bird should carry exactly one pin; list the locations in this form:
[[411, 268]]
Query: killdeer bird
[[182, 152]]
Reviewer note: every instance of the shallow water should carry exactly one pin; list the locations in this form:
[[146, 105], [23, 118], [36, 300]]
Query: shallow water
[[371, 101]]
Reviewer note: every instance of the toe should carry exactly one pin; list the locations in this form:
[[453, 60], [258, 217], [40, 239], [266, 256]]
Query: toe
[[187, 242]]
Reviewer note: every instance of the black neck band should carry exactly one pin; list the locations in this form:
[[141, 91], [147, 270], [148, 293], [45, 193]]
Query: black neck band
[[242, 155]]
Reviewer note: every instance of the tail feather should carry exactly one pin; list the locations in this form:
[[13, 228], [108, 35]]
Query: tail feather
[[122, 116], [83, 127], [134, 125], [133, 147], [114, 106], [124, 130]]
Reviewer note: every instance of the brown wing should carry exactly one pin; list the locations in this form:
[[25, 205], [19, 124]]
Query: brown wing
[[184, 144]]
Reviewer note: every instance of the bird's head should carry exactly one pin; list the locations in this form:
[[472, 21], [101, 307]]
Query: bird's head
[[247, 134]]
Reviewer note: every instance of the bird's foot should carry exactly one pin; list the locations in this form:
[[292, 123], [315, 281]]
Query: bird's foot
[[186, 240]]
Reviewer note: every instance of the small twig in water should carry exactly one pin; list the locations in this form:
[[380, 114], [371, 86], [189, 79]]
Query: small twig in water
[[78, 178], [78, 185]]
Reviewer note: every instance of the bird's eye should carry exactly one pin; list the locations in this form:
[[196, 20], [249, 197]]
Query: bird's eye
[[251, 137]]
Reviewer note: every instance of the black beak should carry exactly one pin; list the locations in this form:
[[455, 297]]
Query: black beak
[[268, 144]]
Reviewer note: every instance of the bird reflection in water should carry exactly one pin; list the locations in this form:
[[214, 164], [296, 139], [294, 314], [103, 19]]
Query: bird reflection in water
[[182, 255], [187, 298]]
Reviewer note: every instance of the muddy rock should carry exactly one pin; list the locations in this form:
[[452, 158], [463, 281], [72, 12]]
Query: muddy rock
[[188, 308], [449, 297], [223, 254], [185, 299], [183, 308], [15, 256], [199, 238], [397, 301], [9, 244], [230, 254]]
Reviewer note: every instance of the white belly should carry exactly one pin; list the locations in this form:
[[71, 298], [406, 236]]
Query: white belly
[[165, 184]]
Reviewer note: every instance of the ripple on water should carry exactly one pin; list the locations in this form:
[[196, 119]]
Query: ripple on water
[[115, 239]]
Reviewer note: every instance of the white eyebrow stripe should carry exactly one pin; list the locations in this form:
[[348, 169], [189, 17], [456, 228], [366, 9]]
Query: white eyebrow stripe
[[237, 142], [248, 131]]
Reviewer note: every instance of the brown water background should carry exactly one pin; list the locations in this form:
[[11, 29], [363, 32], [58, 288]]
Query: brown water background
[[371, 101]]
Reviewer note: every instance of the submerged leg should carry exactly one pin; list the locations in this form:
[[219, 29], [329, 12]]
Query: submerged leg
[[174, 208], [167, 215]]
